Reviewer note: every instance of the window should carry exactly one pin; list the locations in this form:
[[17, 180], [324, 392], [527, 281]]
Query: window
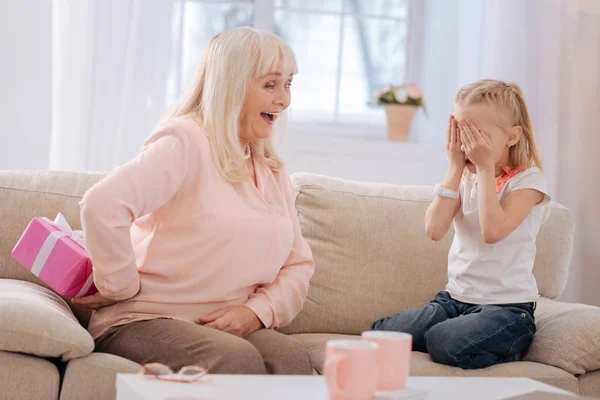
[[346, 51]]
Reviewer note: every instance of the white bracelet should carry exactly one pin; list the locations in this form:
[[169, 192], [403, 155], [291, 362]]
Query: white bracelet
[[443, 192]]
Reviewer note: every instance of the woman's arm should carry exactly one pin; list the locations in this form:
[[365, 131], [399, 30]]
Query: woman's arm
[[442, 210], [110, 207], [277, 304]]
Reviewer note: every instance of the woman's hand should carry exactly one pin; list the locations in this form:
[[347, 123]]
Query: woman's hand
[[238, 320], [94, 302], [477, 145], [456, 156]]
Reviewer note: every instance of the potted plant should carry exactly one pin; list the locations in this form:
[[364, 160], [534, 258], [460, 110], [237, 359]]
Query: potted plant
[[400, 104]]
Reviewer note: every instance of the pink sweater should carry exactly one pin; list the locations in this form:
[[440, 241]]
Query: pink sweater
[[169, 237]]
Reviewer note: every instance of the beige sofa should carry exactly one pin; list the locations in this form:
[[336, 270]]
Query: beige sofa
[[373, 259]]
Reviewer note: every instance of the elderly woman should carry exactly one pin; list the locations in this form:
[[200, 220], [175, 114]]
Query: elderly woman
[[196, 243]]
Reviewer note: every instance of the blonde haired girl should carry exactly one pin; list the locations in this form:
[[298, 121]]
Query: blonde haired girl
[[494, 192], [196, 244]]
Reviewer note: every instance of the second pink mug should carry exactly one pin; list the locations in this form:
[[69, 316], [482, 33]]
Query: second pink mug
[[393, 358], [350, 369]]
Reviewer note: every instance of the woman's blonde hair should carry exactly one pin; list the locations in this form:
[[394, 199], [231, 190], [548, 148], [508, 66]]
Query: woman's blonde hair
[[216, 94], [508, 97]]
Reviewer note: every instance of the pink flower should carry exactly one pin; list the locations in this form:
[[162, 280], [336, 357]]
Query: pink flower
[[384, 91], [413, 92]]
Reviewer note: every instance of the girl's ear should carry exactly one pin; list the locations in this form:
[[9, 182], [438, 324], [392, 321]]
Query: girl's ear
[[514, 135]]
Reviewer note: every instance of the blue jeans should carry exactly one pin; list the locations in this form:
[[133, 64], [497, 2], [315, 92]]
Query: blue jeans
[[466, 335]]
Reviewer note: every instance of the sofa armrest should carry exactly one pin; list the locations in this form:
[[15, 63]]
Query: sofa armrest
[[34, 320], [567, 337]]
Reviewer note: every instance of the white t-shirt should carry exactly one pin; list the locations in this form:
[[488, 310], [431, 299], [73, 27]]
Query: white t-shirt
[[500, 273]]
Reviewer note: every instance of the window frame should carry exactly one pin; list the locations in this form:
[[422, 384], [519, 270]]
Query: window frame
[[264, 19]]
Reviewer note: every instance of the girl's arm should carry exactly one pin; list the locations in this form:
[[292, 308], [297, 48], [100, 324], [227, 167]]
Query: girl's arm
[[499, 220], [441, 211]]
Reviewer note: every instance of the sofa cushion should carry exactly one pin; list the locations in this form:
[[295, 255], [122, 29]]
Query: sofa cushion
[[93, 377], [374, 259], [567, 337], [34, 320], [28, 194], [26, 377], [589, 384], [422, 365]]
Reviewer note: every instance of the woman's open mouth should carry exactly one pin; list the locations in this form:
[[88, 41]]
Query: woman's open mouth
[[269, 118]]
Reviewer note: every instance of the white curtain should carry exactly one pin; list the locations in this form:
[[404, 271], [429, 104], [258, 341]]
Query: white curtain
[[551, 48], [112, 68]]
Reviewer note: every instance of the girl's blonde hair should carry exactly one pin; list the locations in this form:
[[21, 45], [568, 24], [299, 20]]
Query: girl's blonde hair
[[508, 97], [216, 94]]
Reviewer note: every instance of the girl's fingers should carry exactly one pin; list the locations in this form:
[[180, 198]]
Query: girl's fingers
[[450, 119], [486, 137], [464, 136], [476, 132], [452, 134], [458, 142], [470, 139]]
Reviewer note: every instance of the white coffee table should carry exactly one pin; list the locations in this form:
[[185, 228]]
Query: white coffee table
[[265, 387]]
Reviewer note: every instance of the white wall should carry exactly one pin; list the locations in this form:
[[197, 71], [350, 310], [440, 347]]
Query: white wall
[[373, 160], [25, 83]]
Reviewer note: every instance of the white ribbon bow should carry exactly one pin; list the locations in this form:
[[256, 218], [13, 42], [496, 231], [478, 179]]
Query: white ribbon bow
[[61, 223]]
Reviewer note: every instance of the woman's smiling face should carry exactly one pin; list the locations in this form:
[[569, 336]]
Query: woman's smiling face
[[266, 98]]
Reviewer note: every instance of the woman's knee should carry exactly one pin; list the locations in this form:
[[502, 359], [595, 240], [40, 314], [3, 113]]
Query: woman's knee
[[282, 354], [289, 358], [236, 356]]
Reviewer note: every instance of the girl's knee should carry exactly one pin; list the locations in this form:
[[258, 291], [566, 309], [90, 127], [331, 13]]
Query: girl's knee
[[441, 348], [447, 348]]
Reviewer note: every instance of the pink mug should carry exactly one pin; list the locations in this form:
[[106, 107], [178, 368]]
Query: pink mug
[[393, 358], [350, 369]]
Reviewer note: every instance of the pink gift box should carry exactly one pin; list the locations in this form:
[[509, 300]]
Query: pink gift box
[[56, 258]]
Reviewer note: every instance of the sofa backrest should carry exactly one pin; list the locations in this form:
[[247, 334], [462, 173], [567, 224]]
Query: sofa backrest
[[372, 255], [28, 194], [374, 259]]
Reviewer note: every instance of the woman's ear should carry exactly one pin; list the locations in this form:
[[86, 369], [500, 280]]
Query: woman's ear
[[514, 135]]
